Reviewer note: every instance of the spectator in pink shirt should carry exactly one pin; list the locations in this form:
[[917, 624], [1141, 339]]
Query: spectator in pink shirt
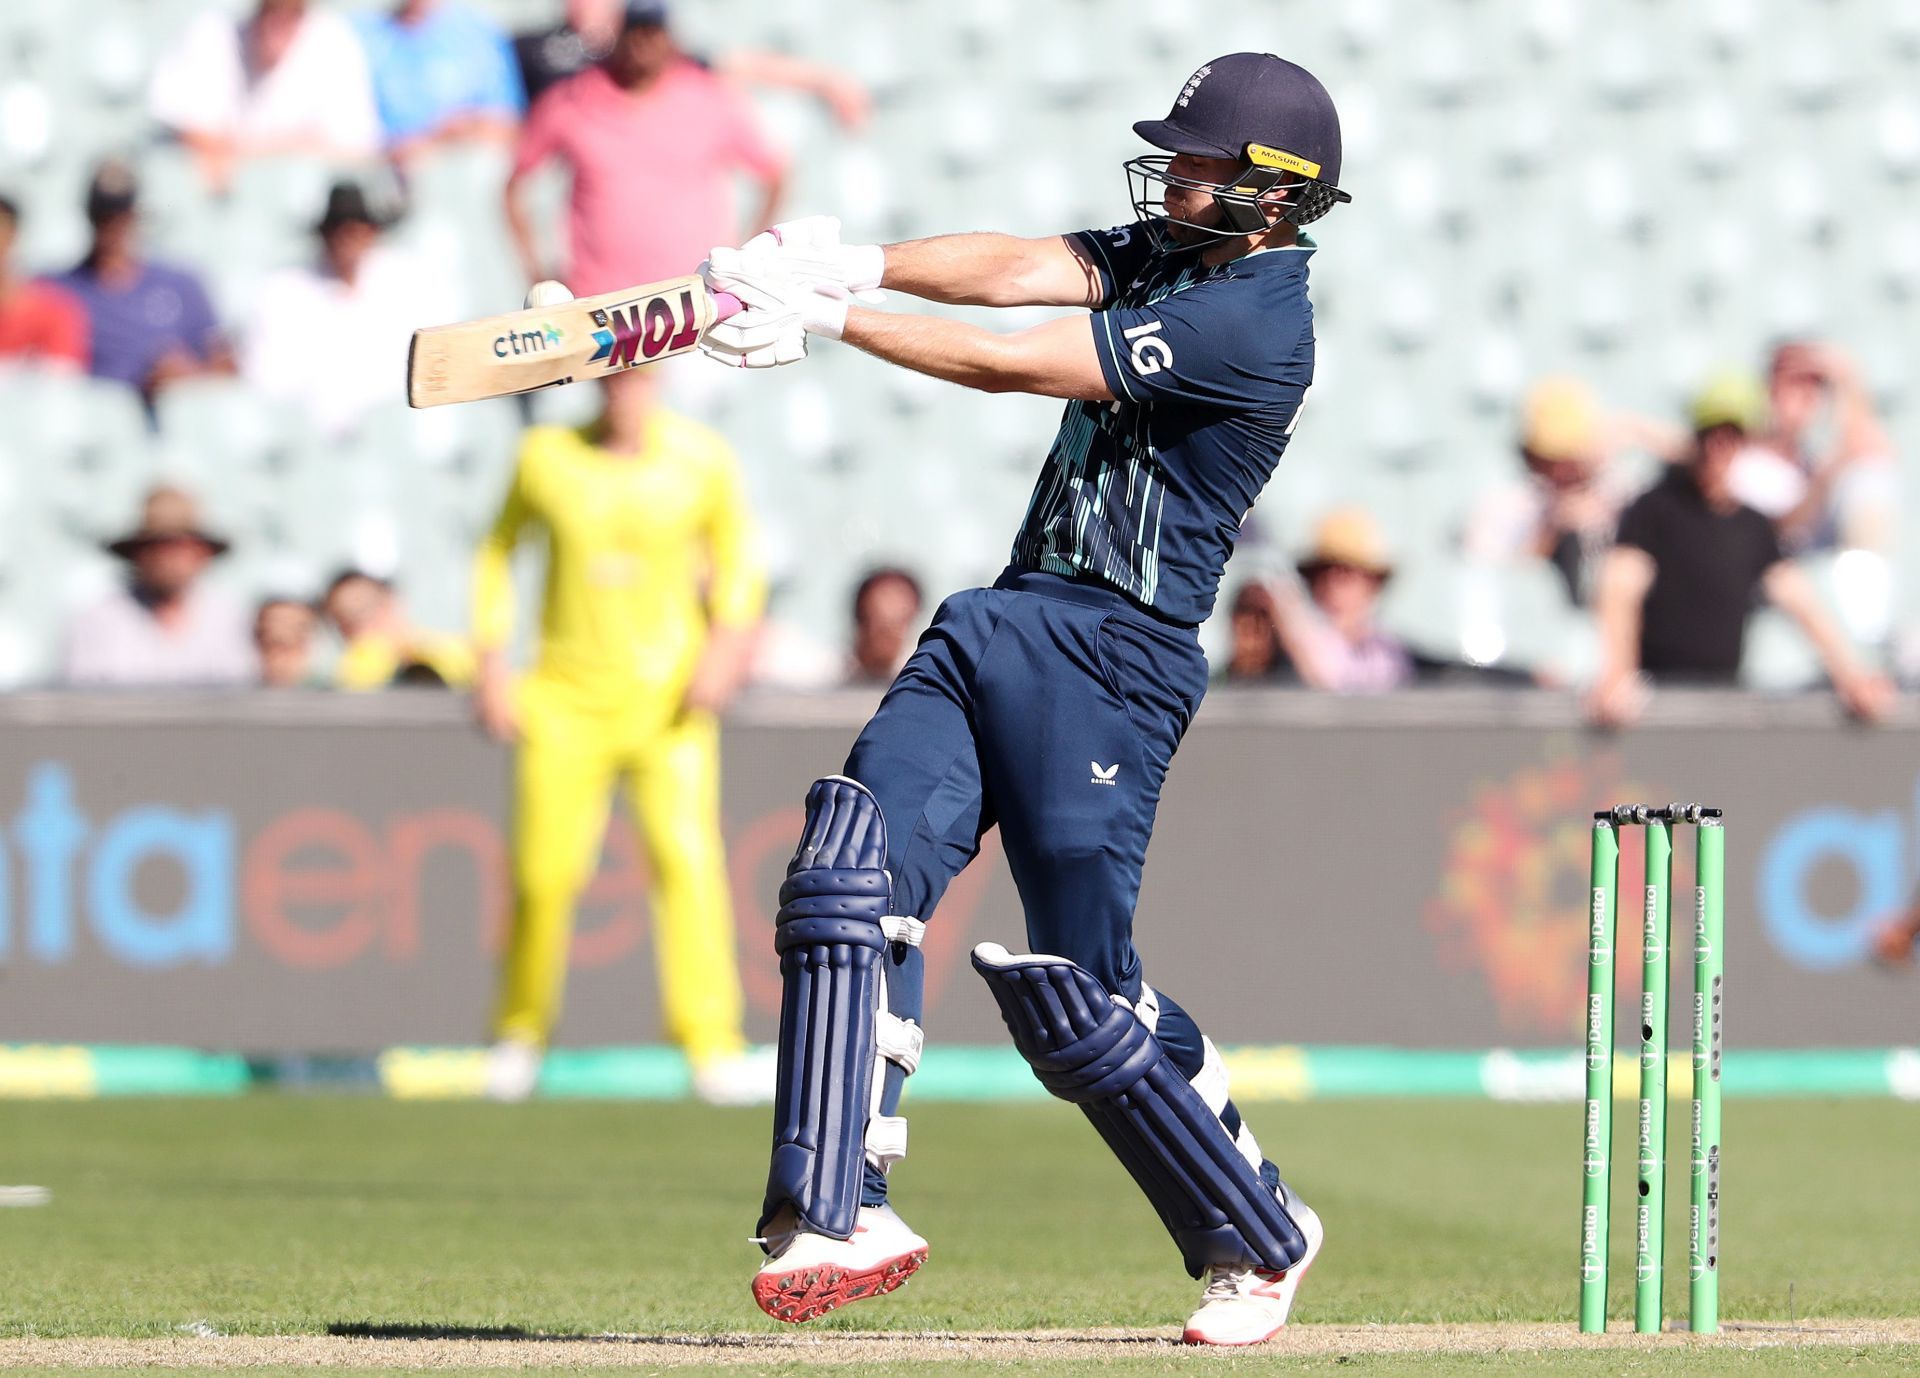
[[653, 140]]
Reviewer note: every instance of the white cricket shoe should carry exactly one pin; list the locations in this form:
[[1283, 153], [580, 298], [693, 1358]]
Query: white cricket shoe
[[808, 1275], [513, 1069], [1243, 1306], [742, 1079]]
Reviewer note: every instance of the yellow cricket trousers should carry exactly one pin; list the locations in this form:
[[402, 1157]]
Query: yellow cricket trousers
[[566, 767]]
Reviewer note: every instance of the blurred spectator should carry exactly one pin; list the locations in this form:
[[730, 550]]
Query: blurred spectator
[[549, 56], [1330, 635], [886, 608], [1823, 468], [283, 643], [1564, 509], [150, 324], [653, 591], [39, 323], [163, 627], [1689, 565], [442, 73], [382, 647], [291, 79], [1257, 656], [653, 141], [332, 337]]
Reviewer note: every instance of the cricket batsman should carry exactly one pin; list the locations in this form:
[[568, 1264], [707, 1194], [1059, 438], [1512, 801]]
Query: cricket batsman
[[1051, 703], [652, 593]]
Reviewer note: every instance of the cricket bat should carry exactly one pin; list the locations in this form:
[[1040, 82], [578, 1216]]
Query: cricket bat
[[570, 342]]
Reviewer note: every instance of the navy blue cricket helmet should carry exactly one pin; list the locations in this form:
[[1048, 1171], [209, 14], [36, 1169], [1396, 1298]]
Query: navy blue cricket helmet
[[1272, 115]]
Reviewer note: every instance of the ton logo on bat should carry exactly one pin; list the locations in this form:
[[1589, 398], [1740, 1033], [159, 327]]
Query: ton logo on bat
[[630, 334]]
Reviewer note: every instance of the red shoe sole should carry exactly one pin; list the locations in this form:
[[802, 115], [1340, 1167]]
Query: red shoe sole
[[809, 1293]]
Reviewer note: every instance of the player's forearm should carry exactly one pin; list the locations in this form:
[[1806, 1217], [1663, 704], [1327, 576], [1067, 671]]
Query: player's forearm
[[963, 353], [988, 270]]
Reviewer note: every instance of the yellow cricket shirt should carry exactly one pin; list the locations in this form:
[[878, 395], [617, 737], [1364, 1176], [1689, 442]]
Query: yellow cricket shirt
[[645, 550]]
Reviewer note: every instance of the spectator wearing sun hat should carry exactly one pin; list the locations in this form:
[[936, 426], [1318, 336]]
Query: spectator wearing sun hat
[[1329, 631], [1564, 507], [330, 336], [163, 626]]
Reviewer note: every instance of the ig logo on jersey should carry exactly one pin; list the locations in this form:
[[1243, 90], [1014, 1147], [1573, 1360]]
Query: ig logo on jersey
[[1150, 353]]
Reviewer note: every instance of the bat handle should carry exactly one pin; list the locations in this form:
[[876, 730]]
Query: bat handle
[[726, 304]]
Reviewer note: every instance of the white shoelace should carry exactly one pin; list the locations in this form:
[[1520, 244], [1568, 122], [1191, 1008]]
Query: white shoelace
[[1224, 1285]]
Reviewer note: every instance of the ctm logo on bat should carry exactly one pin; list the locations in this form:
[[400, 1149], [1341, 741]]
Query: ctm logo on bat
[[629, 335], [526, 341]]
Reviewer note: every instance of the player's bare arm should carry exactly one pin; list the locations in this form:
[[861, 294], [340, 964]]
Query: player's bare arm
[[994, 270], [1058, 270], [1056, 359]]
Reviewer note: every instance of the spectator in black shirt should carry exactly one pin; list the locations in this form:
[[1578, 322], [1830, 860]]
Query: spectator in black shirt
[[1688, 566]]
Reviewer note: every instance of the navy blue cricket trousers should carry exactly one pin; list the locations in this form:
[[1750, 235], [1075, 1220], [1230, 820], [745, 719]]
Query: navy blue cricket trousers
[[1051, 709]]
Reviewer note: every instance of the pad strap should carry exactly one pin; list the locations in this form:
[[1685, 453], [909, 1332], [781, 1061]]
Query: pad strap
[[900, 1041], [901, 929]]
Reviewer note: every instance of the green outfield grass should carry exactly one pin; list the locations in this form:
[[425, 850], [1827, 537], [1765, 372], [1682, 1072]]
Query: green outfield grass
[[272, 1215]]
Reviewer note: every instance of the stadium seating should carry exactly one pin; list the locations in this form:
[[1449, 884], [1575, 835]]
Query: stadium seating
[[1635, 193]]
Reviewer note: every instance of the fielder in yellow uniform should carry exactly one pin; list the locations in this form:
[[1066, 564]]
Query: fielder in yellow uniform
[[652, 592]]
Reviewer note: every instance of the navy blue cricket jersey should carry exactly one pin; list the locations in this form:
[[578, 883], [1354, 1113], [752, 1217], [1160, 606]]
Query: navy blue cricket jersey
[[1208, 365]]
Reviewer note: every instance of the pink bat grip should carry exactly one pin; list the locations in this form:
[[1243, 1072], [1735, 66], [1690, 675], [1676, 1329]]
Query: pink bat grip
[[726, 304]]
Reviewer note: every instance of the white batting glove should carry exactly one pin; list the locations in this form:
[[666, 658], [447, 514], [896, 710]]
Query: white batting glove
[[810, 248], [768, 332], [781, 311], [755, 338]]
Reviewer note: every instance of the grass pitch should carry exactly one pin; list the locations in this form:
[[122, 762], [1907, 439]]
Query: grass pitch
[[471, 1225]]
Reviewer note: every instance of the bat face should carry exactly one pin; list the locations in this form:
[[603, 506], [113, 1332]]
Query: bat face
[[550, 345]]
